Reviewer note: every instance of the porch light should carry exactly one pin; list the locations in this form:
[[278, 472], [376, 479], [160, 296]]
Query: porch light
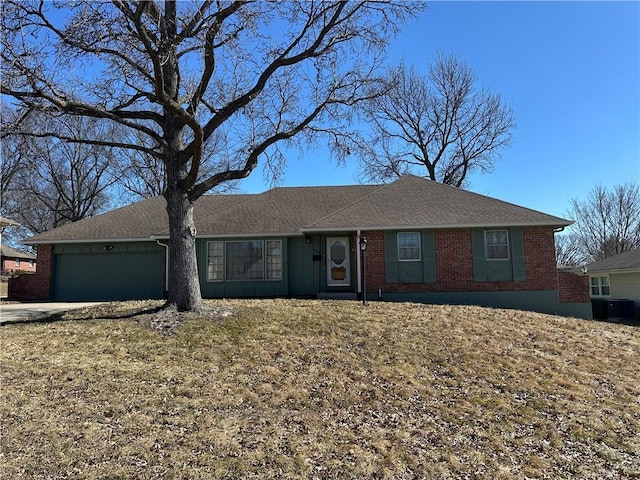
[[363, 248]]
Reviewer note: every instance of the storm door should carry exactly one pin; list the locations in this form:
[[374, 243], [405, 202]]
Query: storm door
[[338, 262]]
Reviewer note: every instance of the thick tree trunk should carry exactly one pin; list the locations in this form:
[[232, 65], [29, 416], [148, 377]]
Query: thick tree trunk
[[184, 286]]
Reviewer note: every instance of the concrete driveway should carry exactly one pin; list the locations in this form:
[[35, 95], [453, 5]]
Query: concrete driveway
[[11, 312]]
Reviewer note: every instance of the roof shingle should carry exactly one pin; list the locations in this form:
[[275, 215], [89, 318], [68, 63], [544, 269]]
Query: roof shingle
[[409, 202], [629, 260]]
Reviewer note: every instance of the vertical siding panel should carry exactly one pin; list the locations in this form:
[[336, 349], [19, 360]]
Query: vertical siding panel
[[625, 286], [517, 253]]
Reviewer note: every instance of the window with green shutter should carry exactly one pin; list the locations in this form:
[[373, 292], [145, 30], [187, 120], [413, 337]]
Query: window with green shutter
[[498, 255], [410, 257]]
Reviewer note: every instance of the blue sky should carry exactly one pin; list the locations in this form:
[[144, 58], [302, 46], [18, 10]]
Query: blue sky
[[571, 71]]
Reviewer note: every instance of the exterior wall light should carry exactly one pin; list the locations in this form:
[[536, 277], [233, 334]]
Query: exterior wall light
[[363, 248]]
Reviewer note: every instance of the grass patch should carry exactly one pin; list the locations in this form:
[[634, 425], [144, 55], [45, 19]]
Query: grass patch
[[320, 389]]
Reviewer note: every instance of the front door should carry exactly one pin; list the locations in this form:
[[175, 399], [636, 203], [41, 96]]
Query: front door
[[338, 262]]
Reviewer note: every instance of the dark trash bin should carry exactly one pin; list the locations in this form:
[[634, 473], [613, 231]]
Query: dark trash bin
[[599, 307], [621, 308]]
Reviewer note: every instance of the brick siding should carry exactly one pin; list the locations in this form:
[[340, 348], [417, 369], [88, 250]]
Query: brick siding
[[454, 264], [11, 265], [573, 288], [34, 286]]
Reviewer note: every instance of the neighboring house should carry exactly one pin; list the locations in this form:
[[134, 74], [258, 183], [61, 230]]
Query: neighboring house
[[14, 261], [617, 277], [427, 242]]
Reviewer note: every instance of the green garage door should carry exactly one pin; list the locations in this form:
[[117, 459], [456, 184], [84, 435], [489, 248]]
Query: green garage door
[[108, 276]]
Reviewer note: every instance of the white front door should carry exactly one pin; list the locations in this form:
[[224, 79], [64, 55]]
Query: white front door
[[338, 261]]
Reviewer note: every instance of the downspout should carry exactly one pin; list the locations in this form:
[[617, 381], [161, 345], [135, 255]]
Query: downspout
[[358, 263], [166, 267]]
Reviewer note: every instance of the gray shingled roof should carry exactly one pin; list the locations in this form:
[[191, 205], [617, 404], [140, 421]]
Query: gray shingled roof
[[629, 260], [138, 221], [409, 202], [10, 252], [281, 210], [412, 202]]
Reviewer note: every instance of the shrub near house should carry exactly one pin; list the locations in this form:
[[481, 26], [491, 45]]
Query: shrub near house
[[426, 242]]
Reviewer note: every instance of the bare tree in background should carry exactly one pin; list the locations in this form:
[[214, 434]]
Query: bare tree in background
[[13, 158], [607, 222], [141, 175], [569, 251], [442, 125], [56, 182], [253, 75]]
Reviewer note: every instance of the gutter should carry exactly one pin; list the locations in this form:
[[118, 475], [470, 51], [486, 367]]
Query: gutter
[[90, 240], [428, 227]]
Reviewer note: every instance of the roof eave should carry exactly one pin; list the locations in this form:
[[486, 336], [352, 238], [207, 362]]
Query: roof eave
[[88, 240], [431, 227], [609, 271], [203, 236]]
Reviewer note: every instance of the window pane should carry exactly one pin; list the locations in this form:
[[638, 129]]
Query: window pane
[[244, 260], [274, 260], [594, 281], [497, 237], [604, 281], [409, 246], [605, 290], [215, 261], [595, 291], [496, 244]]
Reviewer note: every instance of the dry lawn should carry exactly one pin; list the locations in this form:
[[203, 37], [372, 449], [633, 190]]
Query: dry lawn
[[319, 389]]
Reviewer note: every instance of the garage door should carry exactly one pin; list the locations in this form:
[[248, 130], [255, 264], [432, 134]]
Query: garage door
[[108, 276]]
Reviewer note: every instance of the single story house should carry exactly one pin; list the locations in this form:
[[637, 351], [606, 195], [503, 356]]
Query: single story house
[[426, 242], [616, 279], [13, 261]]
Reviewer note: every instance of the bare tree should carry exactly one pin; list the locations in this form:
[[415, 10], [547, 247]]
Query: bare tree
[[57, 182], [569, 251], [253, 74], [11, 162], [440, 125], [141, 175], [607, 222]]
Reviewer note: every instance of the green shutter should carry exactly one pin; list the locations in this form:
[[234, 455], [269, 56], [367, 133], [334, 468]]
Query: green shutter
[[390, 257], [517, 253], [429, 256], [479, 265]]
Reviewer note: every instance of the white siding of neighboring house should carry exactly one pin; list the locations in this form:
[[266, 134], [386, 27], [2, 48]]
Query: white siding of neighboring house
[[625, 285]]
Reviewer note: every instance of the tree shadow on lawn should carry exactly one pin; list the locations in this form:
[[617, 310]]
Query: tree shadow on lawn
[[47, 318]]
